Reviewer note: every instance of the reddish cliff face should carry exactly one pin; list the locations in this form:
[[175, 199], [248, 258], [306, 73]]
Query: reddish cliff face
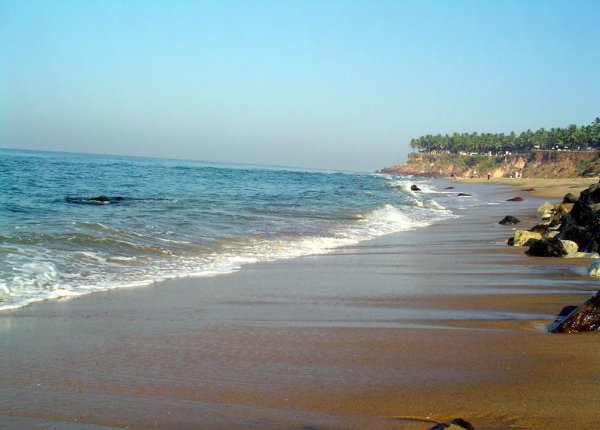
[[537, 164]]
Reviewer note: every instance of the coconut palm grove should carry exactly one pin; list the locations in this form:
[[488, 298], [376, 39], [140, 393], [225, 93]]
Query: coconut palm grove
[[571, 138]]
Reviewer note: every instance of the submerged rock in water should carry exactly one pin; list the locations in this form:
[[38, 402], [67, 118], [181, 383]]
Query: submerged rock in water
[[509, 220], [414, 188], [455, 424], [583, 318], [98, 200], [464, 195], [449, 188], [515, 199]]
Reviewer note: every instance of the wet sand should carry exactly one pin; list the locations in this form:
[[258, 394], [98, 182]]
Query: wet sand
[[409, 328]]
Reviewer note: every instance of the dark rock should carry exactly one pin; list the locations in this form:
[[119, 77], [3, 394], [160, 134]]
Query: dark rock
[[540, 228], [414, 188], [529, 189], [569, 198], [556, 221], [592, 194], [449, 188], [547, 248], [515, 199], [511, 241], [578, 234], [464, 195], [583, 318], [455, 424], [510, 220], [531, 241], [98, 200]]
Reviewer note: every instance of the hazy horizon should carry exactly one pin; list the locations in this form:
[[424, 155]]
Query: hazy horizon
[[334, 85]]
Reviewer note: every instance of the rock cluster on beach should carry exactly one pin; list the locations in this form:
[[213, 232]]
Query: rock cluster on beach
[[568, 229]]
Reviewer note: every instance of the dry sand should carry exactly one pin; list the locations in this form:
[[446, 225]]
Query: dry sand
[[425, 325]]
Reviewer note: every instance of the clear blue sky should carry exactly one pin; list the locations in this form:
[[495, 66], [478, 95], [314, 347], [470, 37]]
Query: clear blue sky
[[326, 84]]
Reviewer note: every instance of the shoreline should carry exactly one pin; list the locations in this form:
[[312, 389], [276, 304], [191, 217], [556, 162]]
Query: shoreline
[[440, 322]]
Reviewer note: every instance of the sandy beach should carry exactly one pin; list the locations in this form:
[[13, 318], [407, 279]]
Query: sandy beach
[[394, 333], [546, 188]]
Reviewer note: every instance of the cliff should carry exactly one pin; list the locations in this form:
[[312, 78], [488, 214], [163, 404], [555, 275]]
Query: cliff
[[537, 164]]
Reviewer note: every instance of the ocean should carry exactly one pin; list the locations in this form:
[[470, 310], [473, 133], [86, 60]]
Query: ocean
[[72, 224]]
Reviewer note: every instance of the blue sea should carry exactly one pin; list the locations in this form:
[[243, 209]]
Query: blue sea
[[73, 224]]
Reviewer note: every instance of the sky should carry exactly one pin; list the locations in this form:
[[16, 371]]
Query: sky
[[340, 85]]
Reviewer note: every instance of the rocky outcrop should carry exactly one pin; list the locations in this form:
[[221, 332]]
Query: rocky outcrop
[[583, 318], [582, 223], [569, 230], [537, 164]]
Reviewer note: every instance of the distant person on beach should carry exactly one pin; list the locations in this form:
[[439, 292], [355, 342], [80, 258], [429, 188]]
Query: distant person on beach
[[489, 175]]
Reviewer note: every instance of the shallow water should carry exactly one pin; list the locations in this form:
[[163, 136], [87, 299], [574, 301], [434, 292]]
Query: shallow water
[[71, 224]]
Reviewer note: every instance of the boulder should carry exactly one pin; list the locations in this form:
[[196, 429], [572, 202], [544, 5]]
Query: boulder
[[563, 208], [530, 242], [540, 228], [593, 270], [583, 318], [547, 248], [515, 199], [509, 220], [545, 207], [592, 194], [556, 222], [571, 247], [584, 255], [569, 198], [455, 424], [414, 188], [522, 236]]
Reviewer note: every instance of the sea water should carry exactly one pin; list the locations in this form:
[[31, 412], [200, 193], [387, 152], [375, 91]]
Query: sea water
[[72, 224]]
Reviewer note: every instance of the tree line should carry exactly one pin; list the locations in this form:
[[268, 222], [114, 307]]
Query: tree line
[[571, 138]]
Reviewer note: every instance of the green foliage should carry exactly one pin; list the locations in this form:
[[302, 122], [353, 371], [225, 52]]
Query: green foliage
[[589, 168], [572, 138]]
